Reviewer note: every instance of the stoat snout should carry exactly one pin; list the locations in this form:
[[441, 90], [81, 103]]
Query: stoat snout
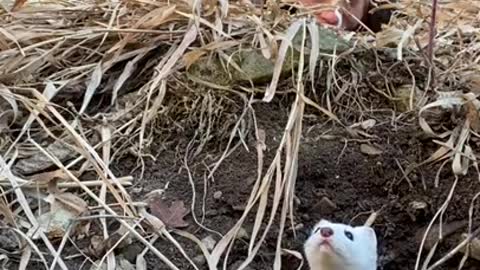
[[345, 14], [325, 241], [333, 18]]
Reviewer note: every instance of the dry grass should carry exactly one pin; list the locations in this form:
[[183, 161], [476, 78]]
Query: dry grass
[[63, 62]]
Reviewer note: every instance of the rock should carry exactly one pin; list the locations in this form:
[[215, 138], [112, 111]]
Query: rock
[[417, 210], [242, 234], [131, 251], [297, 201], [371, 150], [61, 149], [239, 207], [199, 260], [325, 206], [211, 213], [402, 98], [299, 227], [217, 195], [255, 67], [474, 250], [55, 223], [209, 242], [137, 190], [8, 240]]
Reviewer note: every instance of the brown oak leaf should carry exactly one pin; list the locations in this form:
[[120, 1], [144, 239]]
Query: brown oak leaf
[[172, 215]]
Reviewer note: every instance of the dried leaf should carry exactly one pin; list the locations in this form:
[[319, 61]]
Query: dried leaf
[[54, 223], [367, 124], [157, 17], [406, 37], [167, 68], [315, 51], [4, 261], [71, 202], [45, 177], [64, 208], [9, 240], [40, 162], [141, 263], [99, 245], [171, 215], [18, 4], [460, 162], [286, 44], [370, 149], [446, 100], [191, 57], [92, 86], [26, 256], [209, 242], [8, 96], [49, 92], [120, 262], [472, 115], [474, 249], [127, 72]]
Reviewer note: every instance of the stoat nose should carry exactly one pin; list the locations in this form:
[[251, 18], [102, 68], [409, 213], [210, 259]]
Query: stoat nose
[[326, 232], [329, 17]]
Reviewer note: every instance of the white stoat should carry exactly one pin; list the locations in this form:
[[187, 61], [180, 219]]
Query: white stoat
[[336, 246]]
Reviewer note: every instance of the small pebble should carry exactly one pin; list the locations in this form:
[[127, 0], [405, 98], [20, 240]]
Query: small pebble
[[8, 240], [239, 207], [242, 233], [137, 190], [199, 260], [325, 206], [211, 213], [209, 242], [217, 195], [299, 226], [131, 252], [297, 200]]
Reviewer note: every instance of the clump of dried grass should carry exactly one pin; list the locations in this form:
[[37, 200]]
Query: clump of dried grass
[[103, 77]]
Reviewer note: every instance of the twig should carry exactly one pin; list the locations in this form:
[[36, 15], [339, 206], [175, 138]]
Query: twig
[[431, 44]]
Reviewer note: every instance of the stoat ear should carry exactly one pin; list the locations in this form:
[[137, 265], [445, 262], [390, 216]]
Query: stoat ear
[[368, 233]]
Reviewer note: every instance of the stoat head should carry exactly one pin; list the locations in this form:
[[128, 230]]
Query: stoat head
[[334, 246], [344, 14]]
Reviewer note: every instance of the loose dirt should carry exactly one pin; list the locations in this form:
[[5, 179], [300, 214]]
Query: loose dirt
[[330, 167]]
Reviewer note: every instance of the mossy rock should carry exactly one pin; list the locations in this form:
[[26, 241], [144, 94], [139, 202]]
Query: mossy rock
[[254, 67]]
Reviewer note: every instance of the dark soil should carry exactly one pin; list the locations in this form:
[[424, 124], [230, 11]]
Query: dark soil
[[334, 168], [330, 167]]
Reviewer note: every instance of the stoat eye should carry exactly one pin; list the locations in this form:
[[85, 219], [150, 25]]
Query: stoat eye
[[349, 235], [317, 230]]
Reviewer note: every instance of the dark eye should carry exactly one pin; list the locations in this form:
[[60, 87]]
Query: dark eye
[[316, 230], [349, 235]]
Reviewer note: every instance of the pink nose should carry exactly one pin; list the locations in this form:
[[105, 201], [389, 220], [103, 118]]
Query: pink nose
[[328, 17], [326, 232]]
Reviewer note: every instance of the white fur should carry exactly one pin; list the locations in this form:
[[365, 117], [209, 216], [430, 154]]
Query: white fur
[[339, 17], [345, 254]]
